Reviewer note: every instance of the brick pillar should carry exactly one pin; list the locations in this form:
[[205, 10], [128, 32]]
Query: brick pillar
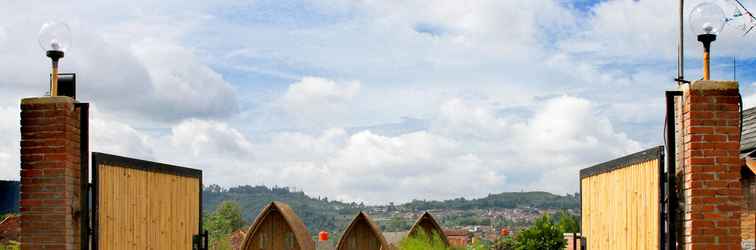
[[713, 195], [49, 173]]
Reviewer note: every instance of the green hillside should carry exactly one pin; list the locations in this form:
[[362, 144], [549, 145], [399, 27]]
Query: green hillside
[[539, 200], [317, 214], [323, 214]]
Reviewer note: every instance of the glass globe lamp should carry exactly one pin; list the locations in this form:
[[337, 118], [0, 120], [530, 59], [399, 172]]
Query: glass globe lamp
[[707, 20], [54, 38]]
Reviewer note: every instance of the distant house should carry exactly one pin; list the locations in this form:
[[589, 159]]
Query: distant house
[[458, 238], [10, 229], [748, 181], [277, 227], [362, 234], [393, 238]]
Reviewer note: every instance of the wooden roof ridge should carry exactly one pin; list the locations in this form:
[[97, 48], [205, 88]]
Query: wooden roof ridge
[[363, 217], [427, 216], [298, 227]]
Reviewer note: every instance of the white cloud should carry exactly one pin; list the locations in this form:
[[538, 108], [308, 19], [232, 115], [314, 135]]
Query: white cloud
[[315, 101], [537, 150], [749, 101], [128, 66], [511, 94], [182, 83], [208, 138], [319, 91], [108, 136], [10, 136]]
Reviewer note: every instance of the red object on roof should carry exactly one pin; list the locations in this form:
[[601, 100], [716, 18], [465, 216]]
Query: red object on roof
[[323, 236], [504, 232]]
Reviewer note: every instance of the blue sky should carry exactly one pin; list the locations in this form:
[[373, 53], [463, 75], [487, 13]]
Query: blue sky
[[371, 101]]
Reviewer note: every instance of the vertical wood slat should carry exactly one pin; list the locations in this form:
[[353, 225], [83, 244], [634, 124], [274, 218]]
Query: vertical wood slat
[[146, 210], [621, 208]]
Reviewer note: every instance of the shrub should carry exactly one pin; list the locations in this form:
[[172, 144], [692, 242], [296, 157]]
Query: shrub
[[11, 245], [543, 235], [421, 241]]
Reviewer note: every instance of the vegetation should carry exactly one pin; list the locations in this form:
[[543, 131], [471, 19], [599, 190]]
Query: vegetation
[[317, 213], [222, 222], [323, 214], [503, 200], [396, 224], [544, 234], [11, 245], [421, 241], [567, 222]]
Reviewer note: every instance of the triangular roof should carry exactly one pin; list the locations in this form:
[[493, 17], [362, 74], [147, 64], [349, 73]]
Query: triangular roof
[[428, 219], [298, 227], [748, 136], [363, 218]]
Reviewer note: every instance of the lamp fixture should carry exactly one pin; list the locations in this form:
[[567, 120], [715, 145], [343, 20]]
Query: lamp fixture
[[55, 39], [707, 20]]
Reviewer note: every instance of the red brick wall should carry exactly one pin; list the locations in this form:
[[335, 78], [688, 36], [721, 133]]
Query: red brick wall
[[49, 173], [748, 217], [574, 242], [713, 194]]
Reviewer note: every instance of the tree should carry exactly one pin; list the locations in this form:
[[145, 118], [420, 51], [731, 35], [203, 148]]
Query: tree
[[222, 222], [504, 243], [543, 235], [567, 222]]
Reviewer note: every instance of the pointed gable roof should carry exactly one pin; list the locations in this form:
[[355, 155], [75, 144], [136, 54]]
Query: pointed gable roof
[[429, 224], [362, 218], [298, 227]]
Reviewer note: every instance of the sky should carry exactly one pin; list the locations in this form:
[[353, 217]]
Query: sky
[[372, 101]]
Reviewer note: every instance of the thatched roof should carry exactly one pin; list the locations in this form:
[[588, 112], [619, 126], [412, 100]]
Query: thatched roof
[[298, 227], [362, 218]]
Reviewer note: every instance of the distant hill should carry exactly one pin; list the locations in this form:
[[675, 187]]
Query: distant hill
[[322, 214], [9, 196], [539, 200], [317, 214]]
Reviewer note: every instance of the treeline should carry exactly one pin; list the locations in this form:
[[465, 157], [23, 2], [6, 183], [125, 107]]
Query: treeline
[[540, 200], [317, 213], [320, 213]]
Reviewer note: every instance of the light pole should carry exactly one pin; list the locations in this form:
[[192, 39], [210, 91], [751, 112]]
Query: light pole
[[707, 20], [55, 39]]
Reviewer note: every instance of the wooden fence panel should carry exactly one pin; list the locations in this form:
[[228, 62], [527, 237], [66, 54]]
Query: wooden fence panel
[[621, 203], [145, 206]]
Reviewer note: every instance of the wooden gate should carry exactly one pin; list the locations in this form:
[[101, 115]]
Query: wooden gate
[[623, 201], [139, 204]]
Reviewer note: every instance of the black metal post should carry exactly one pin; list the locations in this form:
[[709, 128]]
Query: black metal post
[[672, 200], [95, 209], [662, 197], [681, 43], [84, 174]]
